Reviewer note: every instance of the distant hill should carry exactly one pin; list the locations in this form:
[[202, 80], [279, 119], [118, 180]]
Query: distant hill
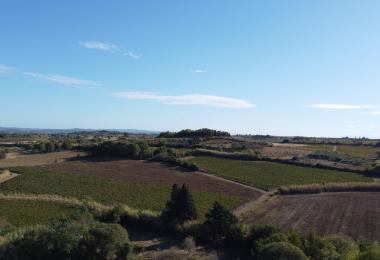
[[18, 130]]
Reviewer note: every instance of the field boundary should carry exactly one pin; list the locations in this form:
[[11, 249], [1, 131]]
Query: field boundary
[[55, 198], [329, 188]]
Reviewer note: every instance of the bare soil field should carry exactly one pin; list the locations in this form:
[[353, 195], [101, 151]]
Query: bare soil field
[[151, 172], [39, 159], [284, 152], [353, 214]]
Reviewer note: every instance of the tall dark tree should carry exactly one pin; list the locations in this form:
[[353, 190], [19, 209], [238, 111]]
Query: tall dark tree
[[181, 206]]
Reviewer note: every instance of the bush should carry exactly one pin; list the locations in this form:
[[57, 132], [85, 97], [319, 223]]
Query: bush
[[70, 240], [188, 243], [259, 234], [281, 250], [220, 221], [369, 252], [346, 248], [104, 241], [318, 248]]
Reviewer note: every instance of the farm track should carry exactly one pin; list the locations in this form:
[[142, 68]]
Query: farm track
[[248, 206]]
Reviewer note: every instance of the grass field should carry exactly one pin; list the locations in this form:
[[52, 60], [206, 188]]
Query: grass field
[[353, 214], [21, 213], [106, 190], [271, 175]]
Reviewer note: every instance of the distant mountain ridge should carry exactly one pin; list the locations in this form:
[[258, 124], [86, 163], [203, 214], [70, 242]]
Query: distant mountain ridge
[[20, 130]]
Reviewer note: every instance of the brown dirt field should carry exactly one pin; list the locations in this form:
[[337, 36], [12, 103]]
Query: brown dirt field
[[353, 214], [39, 159], [283, 152], [151, 172]]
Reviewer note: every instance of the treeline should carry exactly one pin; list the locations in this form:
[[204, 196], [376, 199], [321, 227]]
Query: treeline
[[188, 133], [50, 146], [138, 151]]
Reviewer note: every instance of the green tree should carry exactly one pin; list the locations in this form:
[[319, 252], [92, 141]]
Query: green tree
[[181, 206], [220, 221]]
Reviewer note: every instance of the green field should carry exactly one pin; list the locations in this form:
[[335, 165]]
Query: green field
[[20, 213], [269, 175], [105, 190], [353, 150]]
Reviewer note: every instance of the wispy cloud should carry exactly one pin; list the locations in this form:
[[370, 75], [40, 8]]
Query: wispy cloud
[[5, 69], [365, 109], [195, 99], [64, 80], [341, 106], [132, 55], [99, 46], [198, 71], [109, 47]]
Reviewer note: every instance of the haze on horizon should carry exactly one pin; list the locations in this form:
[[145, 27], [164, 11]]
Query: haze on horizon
[[260, 67]]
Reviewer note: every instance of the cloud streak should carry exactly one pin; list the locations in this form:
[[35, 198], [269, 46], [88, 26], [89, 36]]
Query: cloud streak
[[132, 55], [195, 99], [64, 80], [109, 47], [341, 106], [99, 46], [5, 69], [366, 109], [198, 71]]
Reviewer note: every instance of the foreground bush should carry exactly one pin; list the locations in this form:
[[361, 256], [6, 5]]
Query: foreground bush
[[281, 250], [70, 240]]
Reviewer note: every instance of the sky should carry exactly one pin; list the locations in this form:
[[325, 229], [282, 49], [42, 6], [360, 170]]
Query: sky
[[293, 67]]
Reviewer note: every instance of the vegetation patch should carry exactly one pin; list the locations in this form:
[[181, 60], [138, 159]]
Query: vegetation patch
[[269, 175], [105, 190], [22, 213], [330, 187]]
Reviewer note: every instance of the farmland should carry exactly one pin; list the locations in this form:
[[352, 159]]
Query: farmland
[[352, 214], [353, 150], [21, 213], [39, 159], [138, 184], [269, 175]]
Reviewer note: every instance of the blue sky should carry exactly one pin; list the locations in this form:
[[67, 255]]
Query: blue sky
[[261, 67]]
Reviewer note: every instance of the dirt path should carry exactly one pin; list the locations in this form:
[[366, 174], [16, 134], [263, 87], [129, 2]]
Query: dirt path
[[7, 175], [248, 206]]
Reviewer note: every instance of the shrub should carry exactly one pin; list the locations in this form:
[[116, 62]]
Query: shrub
[[220, 221], [257, 235], [188, 243], [70, 240], [281, 250], [318, 248], [369, 252], [346, 248], [104, 241]]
